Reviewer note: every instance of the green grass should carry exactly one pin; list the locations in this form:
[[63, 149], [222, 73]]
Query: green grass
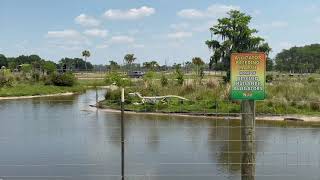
[[38, 89], [92, 82], [284, 96]]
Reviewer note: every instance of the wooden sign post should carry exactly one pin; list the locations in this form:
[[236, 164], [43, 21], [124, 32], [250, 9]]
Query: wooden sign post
[[248, 84]]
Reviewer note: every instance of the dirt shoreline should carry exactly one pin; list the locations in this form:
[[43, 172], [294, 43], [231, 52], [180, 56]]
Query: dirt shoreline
[[36, 96], [301, 118]]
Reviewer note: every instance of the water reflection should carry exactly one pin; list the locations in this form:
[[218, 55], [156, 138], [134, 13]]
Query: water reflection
[[64, 137]]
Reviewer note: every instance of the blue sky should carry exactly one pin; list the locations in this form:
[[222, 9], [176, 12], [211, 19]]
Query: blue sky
[[162, 30]]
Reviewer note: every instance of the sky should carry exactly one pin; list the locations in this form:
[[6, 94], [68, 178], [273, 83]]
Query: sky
[[168, 31]]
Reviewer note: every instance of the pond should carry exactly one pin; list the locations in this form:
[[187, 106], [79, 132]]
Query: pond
[[64, 138]]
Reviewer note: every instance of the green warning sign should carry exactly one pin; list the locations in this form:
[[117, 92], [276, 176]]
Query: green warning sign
[[248, 76]]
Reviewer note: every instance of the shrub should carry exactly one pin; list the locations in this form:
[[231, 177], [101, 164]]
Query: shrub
[[311, 80], [212, 83], [315, 106], [35, 76], [164, 80], [66, 79], [6, 78], [113, 95], [179, 77], [226, 78], [117, 79], [269, 78]]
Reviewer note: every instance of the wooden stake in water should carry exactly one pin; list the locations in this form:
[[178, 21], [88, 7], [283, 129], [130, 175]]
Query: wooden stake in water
[[122, 134], [248, 140]]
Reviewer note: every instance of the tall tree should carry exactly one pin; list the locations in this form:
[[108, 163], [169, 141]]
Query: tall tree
[[129, 58], [113, 65], [86, 54], [235, 36], [152, 65], [197, 61], [304, 59], [3, 61]]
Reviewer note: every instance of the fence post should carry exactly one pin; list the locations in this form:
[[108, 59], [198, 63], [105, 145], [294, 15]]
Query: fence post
[[122, 133], [248, 140]]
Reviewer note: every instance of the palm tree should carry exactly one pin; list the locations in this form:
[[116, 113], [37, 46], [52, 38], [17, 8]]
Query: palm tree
[[85, 54], [129, 58], [152, 65], [198, 62]]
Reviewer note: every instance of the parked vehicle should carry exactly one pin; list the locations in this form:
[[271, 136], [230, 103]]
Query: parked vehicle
[[136, 74]]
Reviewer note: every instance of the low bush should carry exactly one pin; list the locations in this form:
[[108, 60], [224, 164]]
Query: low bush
[[311, 80], [6, 78], [164, 80], [315, 106], [117, 79], [66, 79], [212, 83], [269, 78]]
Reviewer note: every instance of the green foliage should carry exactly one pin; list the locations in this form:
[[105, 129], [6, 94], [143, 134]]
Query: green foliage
[[113, 95], [65, 79], [117, 79], [129, 58], [6, 78], [74, 63], [152, 65], [22, 89], [164, 80], [113, 65], [299, 59], [269, 78], [179, 77], [35, 76], [3, 61], [86, 53], [236, 36], [197, 61], [201, 73], [311, 80], [26, 68], [270, 64], [50, 67]]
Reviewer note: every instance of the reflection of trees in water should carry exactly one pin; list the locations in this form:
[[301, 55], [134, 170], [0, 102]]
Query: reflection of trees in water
[[112, 128], [58, 101], [226, 144]]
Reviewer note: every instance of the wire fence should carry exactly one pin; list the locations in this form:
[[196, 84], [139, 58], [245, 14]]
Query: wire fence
[[64, 138]]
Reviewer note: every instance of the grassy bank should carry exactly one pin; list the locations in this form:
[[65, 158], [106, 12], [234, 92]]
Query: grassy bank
[[211, 95], [38, 89]]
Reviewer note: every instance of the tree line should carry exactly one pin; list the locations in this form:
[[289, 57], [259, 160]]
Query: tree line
[[36, 62], [304, 59]]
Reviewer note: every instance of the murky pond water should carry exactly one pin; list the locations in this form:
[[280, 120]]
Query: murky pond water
[[63, 138]]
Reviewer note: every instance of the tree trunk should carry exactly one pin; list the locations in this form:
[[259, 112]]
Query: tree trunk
[[85, 63]]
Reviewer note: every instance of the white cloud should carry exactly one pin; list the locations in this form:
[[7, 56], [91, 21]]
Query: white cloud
[[102, 46], [96, 32], [67, 39], [180, 26], [191, 13], [86, 20], [68, 33], [213, 11], [135, 13], [179, 35], [121, 39]]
